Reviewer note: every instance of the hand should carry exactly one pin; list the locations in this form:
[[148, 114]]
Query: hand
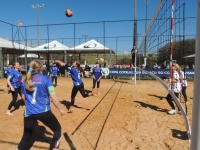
[[12, 89], [62, 112]]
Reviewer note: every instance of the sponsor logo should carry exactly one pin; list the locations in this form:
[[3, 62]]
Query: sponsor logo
[[105, 71], [90, 45], [50, 46], [37, 79]]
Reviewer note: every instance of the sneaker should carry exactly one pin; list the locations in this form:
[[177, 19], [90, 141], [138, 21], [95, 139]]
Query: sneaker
[[171, 112]]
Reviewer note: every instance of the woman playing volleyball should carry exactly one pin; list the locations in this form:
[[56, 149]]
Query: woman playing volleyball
[[37, 88], [184, 84], [175, 86], [8, 70], [14, 81], [77, 81]]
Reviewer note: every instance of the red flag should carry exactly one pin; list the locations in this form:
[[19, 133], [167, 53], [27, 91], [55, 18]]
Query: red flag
[[19, 23]]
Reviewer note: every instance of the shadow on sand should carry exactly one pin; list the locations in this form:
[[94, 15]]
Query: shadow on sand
[[156, 108], [179, 134], [160, 97], [17, 105], [2, 90], [69, 141], [67, 105]]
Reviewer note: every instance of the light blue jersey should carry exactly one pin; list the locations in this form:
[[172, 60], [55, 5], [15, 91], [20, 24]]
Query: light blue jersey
[[38, 101]]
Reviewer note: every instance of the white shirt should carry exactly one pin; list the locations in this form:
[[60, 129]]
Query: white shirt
[[176, 87], [184, 81]]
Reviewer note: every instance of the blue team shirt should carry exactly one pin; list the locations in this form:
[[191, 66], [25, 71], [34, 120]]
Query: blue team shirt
[[97, 73], [37, 101], [8, 71], [15, 78], [54, 71], [75, 74]]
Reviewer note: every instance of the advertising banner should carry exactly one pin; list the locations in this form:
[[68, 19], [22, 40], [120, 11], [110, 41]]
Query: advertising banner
[[157, 72]]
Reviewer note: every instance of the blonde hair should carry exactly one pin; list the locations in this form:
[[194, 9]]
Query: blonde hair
[[178, 69], [35, 67]]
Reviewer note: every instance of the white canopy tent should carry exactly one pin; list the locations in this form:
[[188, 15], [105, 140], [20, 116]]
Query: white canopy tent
[[9, 44], [30, 56], [10, 47], [92, 46], [53, 46]]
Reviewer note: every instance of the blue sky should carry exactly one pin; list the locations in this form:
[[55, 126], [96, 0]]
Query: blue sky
[[12, 11]]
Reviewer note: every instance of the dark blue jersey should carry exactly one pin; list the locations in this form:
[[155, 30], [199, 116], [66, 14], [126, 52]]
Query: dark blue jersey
[[75, 74], [97, 72], [38, 101], [54, 71], [15, 78]]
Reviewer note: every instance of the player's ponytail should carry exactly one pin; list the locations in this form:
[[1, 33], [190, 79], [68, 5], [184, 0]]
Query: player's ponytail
[[35, 67]]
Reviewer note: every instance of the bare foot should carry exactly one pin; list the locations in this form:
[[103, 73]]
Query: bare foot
[[91, 94], [9, 114], [69, 111]]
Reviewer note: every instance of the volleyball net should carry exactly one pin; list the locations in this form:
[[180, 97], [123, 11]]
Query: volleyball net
[[166, 37]]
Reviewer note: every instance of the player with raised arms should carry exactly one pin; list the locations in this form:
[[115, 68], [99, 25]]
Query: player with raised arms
[[36, 92], [75, 70]]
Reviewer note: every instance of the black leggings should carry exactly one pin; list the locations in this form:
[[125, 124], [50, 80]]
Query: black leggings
[[170, 101], [75, 90], [55, 79], [133, 59], [48, 119], [184, 93], [14, 97], [94, 83]]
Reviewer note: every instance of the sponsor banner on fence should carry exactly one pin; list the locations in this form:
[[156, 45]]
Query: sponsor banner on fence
[[157, 72]]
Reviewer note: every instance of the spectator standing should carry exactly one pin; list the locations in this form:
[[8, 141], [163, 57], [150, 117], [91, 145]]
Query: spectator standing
[[97, 74], [54, 73], [134, 54]]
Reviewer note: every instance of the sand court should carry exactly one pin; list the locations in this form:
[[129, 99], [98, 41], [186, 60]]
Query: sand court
[[123, 116]]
